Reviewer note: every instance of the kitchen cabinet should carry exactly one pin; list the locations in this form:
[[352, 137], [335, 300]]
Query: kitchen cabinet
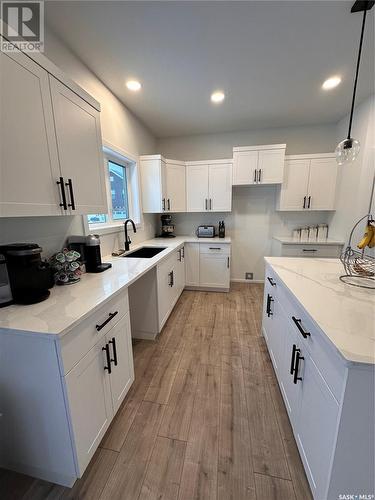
[[309, 183], [253, 165], [51, 157], [286, 247], [170, 284], [29, 162], [208, 266], [322, 393], [163, 184], [80, 150], [180, 271], [209, 186], [192, 264]]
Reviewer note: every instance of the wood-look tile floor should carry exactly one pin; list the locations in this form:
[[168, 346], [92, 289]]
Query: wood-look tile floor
[[203, 420]]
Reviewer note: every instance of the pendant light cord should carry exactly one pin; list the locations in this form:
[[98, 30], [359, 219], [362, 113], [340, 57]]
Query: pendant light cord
[[357, 72]]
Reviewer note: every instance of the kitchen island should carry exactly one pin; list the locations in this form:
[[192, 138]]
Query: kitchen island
[[321, 339]]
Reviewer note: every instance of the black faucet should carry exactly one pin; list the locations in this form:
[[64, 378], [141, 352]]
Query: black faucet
[[127, 239]]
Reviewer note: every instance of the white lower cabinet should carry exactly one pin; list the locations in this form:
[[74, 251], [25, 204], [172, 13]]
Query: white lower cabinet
[[322, 394], [90, 404], [207, 265], [96, 387]]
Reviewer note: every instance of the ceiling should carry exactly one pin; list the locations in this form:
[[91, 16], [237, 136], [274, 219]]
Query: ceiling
[[269, 57]]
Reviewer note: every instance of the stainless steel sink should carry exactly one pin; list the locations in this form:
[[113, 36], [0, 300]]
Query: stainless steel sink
[[145, 252]]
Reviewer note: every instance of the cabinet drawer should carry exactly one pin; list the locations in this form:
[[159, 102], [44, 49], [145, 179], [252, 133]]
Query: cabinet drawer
[[328, 362], [311, 250], [214, 248], [75, 344]]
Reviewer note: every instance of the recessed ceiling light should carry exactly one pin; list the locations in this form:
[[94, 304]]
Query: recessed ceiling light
[[217, 96], [133, 85], [331, 83]]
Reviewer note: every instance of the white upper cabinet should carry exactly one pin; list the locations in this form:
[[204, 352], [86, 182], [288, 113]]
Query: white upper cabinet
[[163, 184], [309, 183], [175, 179], [197, 187], [209, 186], [258, 164], [51, 147], [29, 166], [80, 150]]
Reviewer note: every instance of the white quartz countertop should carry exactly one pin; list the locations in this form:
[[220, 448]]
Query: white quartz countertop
[[68, 305], [288, 240], [344, 313]]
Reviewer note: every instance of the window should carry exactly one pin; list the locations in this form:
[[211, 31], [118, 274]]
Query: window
[[122, 191]]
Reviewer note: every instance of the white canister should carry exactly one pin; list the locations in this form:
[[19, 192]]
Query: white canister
[[296, 235], [305, 234], [322, 232], [313, 233]]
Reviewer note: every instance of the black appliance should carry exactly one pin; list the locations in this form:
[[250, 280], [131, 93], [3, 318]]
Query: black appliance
[[29, 277], [5, 292], [221, 229], [167, 228], [89, 248]]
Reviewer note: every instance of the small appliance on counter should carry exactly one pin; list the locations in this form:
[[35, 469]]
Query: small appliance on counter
[[6, 297], [206, 231], [29, 277], [167, 228], [89, 248], [221, 229]]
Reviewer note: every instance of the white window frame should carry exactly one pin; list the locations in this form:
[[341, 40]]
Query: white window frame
[[131, 163]]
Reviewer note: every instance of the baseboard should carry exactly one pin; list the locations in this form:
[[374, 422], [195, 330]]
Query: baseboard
[[206, 289], [242, 280], [144, 335]]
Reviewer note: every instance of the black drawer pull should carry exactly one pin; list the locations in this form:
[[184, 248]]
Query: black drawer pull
[[108, 357], [271, 281], [298, 324], [110, 317], [304, 202], [63, 196], [298, 358], [255, 175], [72, 204], [214, 248], [269, 302], [113, 342], [293, 360], [309, 250], [309, 203]]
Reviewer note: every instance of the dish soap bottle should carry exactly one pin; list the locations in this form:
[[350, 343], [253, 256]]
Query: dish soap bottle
[[221, 229]]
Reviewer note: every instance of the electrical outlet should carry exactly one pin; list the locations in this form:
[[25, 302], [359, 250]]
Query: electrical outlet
[[249, 276]]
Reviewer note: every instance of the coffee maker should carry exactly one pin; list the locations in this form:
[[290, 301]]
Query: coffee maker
[[89, 248], [167, 228], [30, 278]]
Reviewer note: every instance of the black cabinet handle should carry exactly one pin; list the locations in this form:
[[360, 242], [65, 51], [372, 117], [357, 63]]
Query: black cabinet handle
[[228, 261], [292, 362], [268, 308], [304, 202], [180, 255], [110, 317], [259, 175], [206, 203], [113, 342], [169, 204], [108, 357], [214, 248], [63, 196], [255, 175], [171, 279], [309, 203], [163, 204], [309, 250], [72, 202], [271, 281], [298, 358], [183, 252], [298, 324]]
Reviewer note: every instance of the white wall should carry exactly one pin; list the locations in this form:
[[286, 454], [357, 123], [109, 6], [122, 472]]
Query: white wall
[[253, 220], [313, 139], [119, 127], [355, 180]]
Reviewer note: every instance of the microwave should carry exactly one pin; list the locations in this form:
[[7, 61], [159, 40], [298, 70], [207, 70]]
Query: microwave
[[206, 231]]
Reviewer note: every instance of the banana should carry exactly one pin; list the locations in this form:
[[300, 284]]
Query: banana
[[367, 238], [371, 243]]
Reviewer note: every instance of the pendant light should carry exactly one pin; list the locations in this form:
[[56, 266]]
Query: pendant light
[[348, 149]]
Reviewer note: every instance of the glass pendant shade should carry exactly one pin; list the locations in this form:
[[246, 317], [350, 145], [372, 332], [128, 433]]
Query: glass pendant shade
[[347, 151]]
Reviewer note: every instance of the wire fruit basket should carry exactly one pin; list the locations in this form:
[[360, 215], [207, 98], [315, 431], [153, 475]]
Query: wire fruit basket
[[359, 267]]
